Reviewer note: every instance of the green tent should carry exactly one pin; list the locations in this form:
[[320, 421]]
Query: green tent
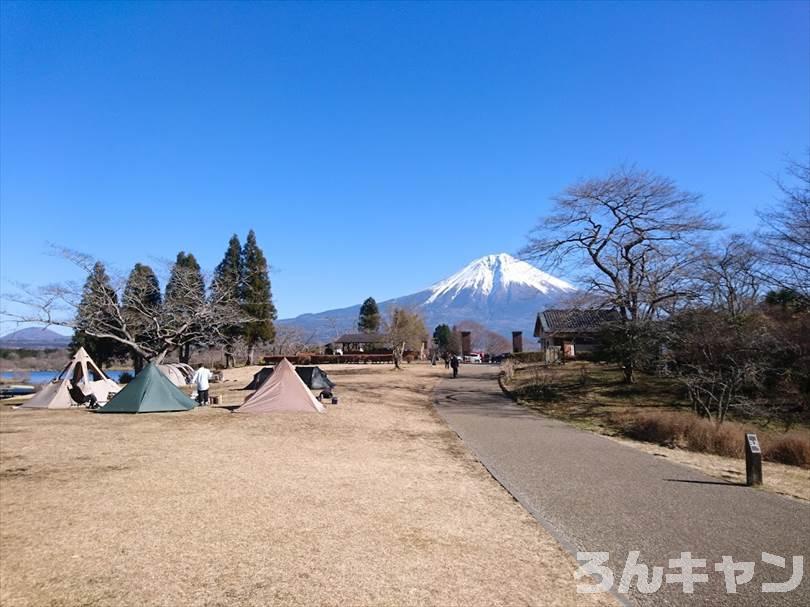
[[149, 392]]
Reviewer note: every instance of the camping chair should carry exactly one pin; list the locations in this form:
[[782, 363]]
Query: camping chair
[[80, 398], [328, 396]]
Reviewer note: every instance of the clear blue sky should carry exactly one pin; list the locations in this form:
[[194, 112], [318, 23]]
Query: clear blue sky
[[374, 148]]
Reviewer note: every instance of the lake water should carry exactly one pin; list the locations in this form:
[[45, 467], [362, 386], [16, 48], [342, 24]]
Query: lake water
[[43, 377]]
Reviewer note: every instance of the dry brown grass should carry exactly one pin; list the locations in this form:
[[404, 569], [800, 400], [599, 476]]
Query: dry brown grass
[[683, 430], [374, 503], [688, 431]]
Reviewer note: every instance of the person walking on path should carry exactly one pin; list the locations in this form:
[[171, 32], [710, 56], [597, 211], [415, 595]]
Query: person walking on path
[[201, 379], [454, 365]]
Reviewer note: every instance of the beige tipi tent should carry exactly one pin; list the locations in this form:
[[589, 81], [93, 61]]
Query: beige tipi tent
[[283, 391], [177, 373], [81, 371]]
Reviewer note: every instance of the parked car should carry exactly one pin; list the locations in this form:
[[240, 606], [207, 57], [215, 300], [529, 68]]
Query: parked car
[[472, 358]]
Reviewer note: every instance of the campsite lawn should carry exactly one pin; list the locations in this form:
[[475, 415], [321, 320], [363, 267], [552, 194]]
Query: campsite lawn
[[375, 502]]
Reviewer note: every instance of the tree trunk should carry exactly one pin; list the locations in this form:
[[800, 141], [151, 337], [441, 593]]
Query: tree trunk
[[159, 358], [250, 354], [398, 351], [185, 353], [137, 363]]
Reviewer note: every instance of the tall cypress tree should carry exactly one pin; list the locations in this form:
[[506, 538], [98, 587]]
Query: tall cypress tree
[[186, 274], [98, 299], [257, 300], [442, 335], [141, 302], [185, 289], [227, 284], [369, 319]]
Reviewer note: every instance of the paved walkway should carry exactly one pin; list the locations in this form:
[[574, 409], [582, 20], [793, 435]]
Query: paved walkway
[[595, 494]]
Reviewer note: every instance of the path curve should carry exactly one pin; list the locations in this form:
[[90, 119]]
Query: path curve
[[595, 494]]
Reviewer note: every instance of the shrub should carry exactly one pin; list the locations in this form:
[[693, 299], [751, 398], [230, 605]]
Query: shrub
[[125, 377], [790, 449], [663, 428], [694, 433], [684, 430], [705, 436], [528, 357]]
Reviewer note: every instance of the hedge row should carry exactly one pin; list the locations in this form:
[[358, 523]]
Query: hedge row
[[328, 359], [528, 357]]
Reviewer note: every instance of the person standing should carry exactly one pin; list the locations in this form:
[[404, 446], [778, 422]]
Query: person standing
[[454, 365], [201, 378]]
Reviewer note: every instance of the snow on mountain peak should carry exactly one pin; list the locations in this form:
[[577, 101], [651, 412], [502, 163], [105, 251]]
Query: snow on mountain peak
[[497, 272]]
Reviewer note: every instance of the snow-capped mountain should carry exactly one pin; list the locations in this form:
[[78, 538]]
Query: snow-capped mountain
[[495, 275], [498, 291]]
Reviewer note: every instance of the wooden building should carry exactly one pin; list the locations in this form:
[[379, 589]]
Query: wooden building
[[363, 342], [573, 331]]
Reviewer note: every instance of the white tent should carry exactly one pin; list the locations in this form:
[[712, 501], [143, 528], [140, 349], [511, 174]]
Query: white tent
[[284, 390], [81, 371], [178, 373]]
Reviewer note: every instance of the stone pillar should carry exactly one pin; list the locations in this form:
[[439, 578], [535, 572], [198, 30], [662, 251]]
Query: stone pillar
[[517, 341], [466, 343]]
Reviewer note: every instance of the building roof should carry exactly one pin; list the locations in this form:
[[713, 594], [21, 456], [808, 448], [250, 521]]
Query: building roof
[[573, 321], [363, 338]]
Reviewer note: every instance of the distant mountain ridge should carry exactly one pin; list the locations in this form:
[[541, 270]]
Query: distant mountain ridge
[[498, 291], [35, 338]]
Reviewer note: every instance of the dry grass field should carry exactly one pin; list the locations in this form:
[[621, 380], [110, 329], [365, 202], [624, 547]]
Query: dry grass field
[[375, 502]]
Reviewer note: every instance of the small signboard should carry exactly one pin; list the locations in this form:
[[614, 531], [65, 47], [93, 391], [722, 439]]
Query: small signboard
[[753, 460]]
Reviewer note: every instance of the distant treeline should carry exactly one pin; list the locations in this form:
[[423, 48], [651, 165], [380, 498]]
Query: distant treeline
[[29, 359], [17, 353]]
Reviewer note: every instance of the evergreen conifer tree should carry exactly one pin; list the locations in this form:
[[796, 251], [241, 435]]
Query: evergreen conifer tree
[[141, 305], [185, 288], [442, 336], [369, 319], [227, 282], [101, 349], [257, 299]]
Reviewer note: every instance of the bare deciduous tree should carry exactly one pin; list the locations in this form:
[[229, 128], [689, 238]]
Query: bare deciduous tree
[[638, 234], [149, 330], [291, 340], [407, 331], [786, 232], [731, 275], [484, 340], [724, 362], [337, 326]]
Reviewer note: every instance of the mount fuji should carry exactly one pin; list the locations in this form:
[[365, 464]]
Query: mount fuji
[[498, 291]]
